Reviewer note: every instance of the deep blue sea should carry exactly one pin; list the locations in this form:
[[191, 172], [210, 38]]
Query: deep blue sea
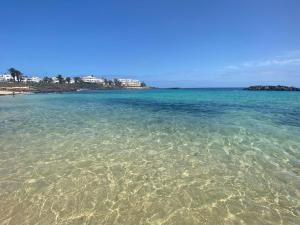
[[150, 157]]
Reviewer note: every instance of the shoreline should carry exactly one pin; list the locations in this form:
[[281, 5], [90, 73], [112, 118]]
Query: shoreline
[[11, 91]]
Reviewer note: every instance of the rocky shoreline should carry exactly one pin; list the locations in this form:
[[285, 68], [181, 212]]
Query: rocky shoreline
[[271, 88], [14, 90]]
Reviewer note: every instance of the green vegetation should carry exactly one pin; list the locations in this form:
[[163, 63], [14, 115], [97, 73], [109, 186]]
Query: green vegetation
[[68, 80], [117, 83], [15, 74], [47, 80], [77, 80], [60, 79], [46, 86]]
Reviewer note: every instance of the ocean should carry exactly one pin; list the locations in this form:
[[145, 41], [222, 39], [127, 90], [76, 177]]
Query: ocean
[[159, 157]]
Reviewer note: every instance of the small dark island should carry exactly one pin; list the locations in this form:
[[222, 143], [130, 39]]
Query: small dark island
[[271, 88]]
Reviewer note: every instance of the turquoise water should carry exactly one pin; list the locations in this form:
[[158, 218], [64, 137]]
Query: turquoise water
[[198, 156]]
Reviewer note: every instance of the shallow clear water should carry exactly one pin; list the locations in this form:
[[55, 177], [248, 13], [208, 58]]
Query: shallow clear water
[[207, 156]]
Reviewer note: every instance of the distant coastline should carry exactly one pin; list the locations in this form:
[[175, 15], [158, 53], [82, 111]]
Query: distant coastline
[[14, 89], [250, 88], [14, 82], [271, 88]]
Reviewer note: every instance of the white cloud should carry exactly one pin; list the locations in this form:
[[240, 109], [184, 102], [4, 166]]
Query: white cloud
[[232, 67], [281, 69], [288, 59]]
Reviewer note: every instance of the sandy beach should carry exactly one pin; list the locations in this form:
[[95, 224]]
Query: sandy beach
[[2, 93], [13, 90]]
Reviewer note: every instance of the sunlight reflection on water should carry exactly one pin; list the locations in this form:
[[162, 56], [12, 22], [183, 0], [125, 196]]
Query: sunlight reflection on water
[[150, 157]]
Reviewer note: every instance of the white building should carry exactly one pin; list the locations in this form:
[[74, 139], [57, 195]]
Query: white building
[[92, 79], [24, 79], [54, 80], [130, 83], [5, 77], [34, 79]]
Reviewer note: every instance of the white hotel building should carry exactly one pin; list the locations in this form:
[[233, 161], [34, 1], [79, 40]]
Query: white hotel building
[[130, 83], [5, 77], [92, 79], [34, 79]]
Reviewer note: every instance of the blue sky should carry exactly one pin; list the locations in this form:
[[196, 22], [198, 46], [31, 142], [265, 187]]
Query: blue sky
[[167, 43]]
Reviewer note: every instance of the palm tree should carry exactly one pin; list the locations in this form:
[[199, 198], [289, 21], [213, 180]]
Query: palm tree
[[105, 81], [110, 83], [60, 79], [15, 74], [19, 75], [117, 83], [47, 80], [77, 80], [12, 72], [68, 79], [143, 84]]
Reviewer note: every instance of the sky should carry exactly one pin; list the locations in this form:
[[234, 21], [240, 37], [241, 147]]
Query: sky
[[166, 43]]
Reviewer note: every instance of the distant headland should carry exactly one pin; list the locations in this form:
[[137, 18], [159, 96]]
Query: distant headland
[[14, 82], [271, 88]]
